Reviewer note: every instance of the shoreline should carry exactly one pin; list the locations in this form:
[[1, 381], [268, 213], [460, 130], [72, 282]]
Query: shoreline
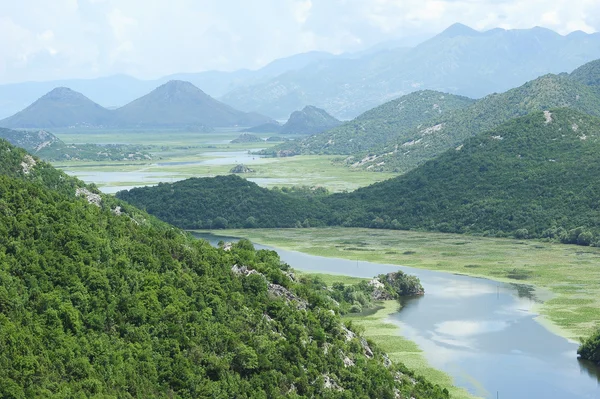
[[542, 311]]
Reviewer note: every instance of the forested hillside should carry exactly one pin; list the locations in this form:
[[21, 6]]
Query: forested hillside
[[535, 176], [99, 299], [451, 129]]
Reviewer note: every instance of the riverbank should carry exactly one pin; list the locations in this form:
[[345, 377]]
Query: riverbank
[[386, 333], [567, 276]]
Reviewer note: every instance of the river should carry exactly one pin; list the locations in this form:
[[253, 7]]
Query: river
[[481, 332]]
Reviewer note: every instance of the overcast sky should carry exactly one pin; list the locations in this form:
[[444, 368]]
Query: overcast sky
[[58, 39]]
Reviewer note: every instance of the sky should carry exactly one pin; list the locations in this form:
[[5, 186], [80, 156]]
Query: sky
[[61, 39]]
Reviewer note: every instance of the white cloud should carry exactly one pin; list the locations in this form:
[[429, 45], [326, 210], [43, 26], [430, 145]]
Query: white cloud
[[149, 38]]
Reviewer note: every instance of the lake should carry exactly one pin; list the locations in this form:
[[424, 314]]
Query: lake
[[481, 332]]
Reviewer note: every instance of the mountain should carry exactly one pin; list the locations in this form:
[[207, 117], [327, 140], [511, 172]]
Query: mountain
[[175, 104], [534, 176], [61, 107], [101, 299], [310, 120], [181, 104], [118, 90], [380, 125], [413, 147], [459, 60]]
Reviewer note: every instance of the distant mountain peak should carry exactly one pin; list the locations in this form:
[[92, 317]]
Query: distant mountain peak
[[459, 29], [64, 93]]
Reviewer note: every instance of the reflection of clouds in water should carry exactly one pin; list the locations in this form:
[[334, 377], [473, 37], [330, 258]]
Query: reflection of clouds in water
[[455, 288], [469, 328], [465, 344], [521, 307]]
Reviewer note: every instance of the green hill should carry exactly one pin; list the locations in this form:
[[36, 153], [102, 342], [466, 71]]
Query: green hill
[[535, 176], [181, 104], [223, 201], [451, 129], [380, 125], [98, 299], [61, 107]]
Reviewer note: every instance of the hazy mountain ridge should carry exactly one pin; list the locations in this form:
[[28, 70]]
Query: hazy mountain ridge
[[174, 104], [459, 60]]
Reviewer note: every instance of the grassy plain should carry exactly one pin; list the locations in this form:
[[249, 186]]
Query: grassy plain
[[181, 155], [566, 277]]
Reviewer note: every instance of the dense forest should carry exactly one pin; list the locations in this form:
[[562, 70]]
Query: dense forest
[[99, 299], [533, 177]]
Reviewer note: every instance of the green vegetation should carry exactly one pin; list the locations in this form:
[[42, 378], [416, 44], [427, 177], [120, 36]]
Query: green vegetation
[[98, 299], [588, 74], [224, 201], [380, 125], [376, 326], [533, 177], [590, 348], [566, 277]]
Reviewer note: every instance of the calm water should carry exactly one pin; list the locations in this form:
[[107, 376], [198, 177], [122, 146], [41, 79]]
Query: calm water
[[481, 332]]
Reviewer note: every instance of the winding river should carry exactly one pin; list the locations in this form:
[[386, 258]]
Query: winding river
[[481, 332]]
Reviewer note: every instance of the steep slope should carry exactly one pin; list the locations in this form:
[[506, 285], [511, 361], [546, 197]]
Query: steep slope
[[181, 104], [449, 130], [271, 127], [460, 60], [100, 299], [310, 120], [535, 176], [61, 107], [380, 125]]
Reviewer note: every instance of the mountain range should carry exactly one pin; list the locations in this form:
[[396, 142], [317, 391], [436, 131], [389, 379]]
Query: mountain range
[[459, 60], [404, 133], [175, 104]]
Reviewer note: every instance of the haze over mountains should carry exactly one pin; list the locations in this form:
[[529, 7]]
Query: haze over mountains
[[404, 133], [176, 104], [459, 60]]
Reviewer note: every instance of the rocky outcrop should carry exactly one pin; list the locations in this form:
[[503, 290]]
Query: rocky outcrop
[[94, 199], [28, 164], [282, 292]]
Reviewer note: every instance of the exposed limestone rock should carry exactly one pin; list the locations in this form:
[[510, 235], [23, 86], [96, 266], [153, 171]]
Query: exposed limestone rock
[[548, 116], [117, 211], [349, 334], [244, 271], [348, 362], [92, 198], [330, 383], [386, 361], [280, 291], [28, 164], [366, 348]]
